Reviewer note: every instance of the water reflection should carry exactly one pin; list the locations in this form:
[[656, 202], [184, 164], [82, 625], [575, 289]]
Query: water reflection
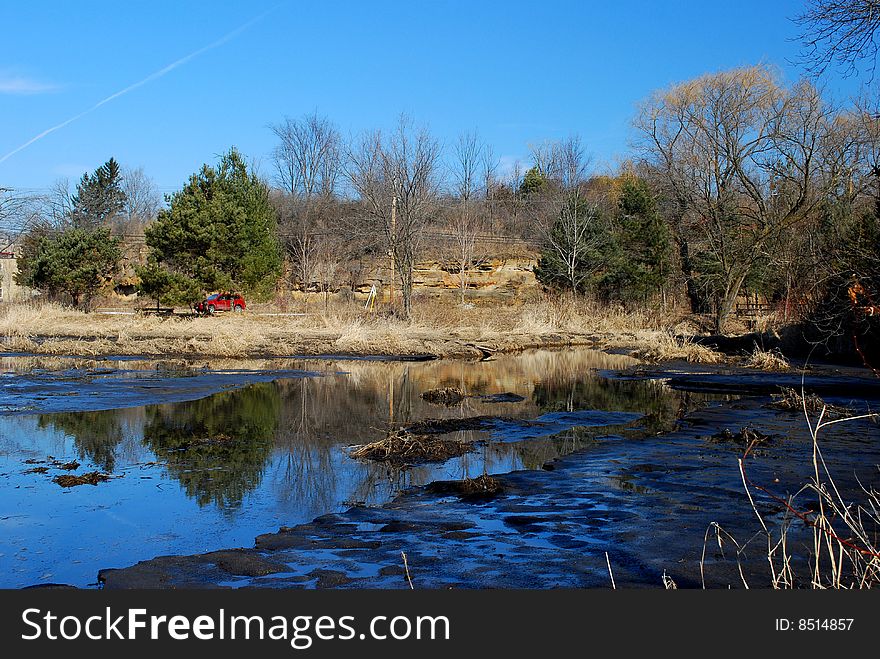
[[225, 467], [220, 448], [216, 447], [96, 435]]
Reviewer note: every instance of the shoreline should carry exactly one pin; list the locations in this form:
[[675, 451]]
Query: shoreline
[[299, 345]]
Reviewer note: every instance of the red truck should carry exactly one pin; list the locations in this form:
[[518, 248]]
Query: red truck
[[221, 302]]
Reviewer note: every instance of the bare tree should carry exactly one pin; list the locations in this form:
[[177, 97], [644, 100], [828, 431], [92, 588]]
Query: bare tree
[[298, 235], [468, 179], [143, 201], [308, 159], [545, 158], [567, 220], [396, 182], [745, 159], [18, 213], [308, 162], [58, 203], [575, 241], [329, 252], [842, 32]]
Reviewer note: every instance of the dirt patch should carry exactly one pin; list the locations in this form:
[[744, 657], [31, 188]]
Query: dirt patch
[[482, 487], [447, 396], [401, 448], [88, 478], [67, 466], [37, 470]]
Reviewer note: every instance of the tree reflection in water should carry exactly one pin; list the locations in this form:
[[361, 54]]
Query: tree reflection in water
[[289, 437], [217, 447]]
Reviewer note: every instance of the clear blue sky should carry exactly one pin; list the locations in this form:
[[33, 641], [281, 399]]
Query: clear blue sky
[[518, 72]]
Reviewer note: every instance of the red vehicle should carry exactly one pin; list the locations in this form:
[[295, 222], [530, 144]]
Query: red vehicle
[[221, 302]]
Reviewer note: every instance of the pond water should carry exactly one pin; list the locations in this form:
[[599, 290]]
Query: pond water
[[207, 455]]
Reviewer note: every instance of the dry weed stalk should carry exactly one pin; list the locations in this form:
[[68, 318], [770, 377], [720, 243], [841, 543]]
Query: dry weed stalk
[[845, 553]]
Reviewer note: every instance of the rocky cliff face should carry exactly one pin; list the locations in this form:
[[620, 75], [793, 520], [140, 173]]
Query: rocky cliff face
[[494, 277]]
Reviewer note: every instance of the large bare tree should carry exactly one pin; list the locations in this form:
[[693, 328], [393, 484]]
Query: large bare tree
[[396, 180], [746, 159], [308, 163], [308, 158], [143, 201]]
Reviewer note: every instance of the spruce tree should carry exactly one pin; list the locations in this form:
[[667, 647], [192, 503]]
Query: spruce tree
[[99, 197]]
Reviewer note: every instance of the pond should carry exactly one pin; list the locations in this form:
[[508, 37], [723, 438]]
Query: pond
[[206, 455]]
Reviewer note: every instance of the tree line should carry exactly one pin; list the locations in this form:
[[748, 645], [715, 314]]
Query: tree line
[[738, 184]]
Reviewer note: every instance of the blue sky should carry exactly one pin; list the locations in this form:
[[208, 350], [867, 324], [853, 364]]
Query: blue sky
[[517, 72]]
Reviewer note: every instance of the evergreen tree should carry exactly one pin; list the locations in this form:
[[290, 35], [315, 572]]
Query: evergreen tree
[[219, 232], [99, 197], [166, 287], [75, 262], [533, 183], [642, 263]]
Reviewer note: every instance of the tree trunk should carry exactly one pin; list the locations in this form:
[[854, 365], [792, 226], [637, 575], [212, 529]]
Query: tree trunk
[[697, 301], [727, 301], [406, 287]]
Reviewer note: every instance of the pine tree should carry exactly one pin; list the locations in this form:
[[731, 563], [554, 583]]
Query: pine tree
[[533, 183], [74, 262], [219, 231]]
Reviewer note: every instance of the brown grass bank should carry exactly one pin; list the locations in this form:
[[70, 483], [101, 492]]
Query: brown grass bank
[[437, 330]]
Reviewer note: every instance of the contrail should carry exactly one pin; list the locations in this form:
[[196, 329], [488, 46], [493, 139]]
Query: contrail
[[153, 76]]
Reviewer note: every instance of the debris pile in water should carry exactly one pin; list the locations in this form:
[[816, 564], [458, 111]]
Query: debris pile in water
[[745, 436], [793, 401], [481, 487], [88, 478], [401, 447]]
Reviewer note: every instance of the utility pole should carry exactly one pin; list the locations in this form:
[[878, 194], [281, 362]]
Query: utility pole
[[393, 244]]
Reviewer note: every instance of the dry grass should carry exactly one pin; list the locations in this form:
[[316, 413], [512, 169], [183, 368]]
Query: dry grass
[[792, 400], [665, 346], [438, 328], [767, 360], [845, 551]]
